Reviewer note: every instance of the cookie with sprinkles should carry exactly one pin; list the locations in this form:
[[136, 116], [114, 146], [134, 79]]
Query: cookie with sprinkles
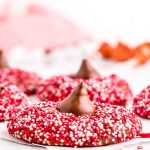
[[26, 81], [75, 122], [110, 89], [11, 98], [141, 104]]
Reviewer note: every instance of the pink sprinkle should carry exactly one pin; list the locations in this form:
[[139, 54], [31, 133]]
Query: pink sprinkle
[[139, 147]]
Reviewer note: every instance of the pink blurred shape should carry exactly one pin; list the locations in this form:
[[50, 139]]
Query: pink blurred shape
[[39, 28]]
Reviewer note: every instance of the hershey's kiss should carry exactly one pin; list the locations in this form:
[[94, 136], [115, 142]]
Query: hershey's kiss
[[77, 102], [86, 71], [3, 61]]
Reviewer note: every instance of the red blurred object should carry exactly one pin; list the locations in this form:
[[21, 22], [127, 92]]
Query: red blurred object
[[106, 50], [144, 135], [122, 52], [142, 53], [39, 28]]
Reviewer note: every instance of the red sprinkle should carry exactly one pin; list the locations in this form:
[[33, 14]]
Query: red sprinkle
[[144, 135], [139, 147]]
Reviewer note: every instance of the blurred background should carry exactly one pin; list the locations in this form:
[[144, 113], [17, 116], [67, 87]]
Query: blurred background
[[53, 36], [103, 19]]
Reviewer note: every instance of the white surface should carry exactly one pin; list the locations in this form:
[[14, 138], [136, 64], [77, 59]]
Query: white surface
[[115, 20]]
